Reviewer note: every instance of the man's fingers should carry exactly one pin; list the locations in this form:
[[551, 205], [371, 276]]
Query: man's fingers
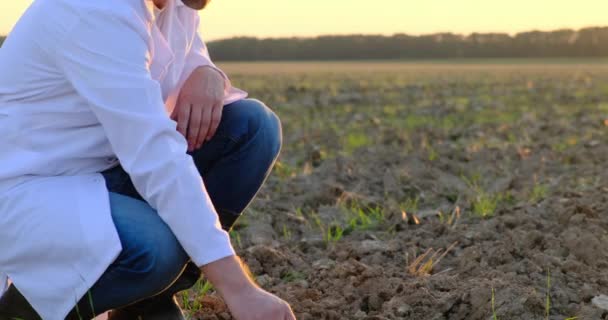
[[194, 126], [183, 117], [216, 118], [205, 126]]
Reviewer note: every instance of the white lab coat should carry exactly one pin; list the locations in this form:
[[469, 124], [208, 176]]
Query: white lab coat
[[83, 84]]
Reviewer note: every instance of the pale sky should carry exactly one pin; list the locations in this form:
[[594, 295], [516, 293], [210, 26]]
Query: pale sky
[[278, 18]]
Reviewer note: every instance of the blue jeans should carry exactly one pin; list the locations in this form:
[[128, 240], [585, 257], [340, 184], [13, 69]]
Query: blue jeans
[[233, 164]]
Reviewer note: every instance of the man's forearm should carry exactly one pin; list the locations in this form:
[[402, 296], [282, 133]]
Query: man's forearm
[[228, 276]]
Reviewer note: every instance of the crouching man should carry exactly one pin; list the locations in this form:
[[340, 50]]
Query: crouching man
[[111, 117]]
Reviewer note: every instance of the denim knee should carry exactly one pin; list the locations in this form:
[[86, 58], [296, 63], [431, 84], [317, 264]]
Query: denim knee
[[273, 125], [168, 260], [158, 263], [264, 126]]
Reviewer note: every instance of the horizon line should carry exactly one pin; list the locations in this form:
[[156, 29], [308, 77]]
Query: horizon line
[[464, 34], [398, 33]]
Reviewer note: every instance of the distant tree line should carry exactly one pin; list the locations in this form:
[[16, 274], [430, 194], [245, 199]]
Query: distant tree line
[[589, 42], [2, 40]]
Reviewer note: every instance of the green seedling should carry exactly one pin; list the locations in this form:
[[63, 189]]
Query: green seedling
[[494, 315], [410, 205], [90, 300], [195, 305], [334, 234], [356, 140], [539, 192], [485, 205], [236, 237], [287, 235], [548, 297], [433, 154], [185, 300], [299, 212], [473, 181], [284, 171], [330, 234], [565, 144], [291, 276], [364, 218], [203, 287], [317, 220]]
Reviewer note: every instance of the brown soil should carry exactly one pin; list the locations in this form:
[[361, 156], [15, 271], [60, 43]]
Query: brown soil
[[495, 265]]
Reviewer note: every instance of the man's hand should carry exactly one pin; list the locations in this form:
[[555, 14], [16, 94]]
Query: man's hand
[[199, 106], [257, 304], [245, 300]]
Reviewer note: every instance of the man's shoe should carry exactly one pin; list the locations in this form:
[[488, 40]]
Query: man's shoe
[[158, 308], [162, 306], [13, 305]]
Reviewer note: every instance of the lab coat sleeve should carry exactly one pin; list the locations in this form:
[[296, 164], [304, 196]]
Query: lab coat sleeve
[[198, 55], [106, 59]]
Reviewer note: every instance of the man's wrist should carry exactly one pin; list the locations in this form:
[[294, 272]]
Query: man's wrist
[[228, 276], [209, 69]]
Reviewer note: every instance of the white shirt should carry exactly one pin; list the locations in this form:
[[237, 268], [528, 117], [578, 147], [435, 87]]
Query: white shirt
[[82, 84]]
